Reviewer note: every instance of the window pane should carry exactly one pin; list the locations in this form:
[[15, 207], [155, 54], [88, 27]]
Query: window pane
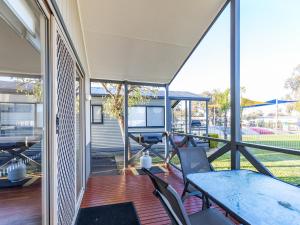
[[155, 117], [137, 117], [23, 127], [97, 114], [79, 143]]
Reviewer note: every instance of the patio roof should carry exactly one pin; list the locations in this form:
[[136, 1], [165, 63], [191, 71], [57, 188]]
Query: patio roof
[[143, 41], [173, 95]]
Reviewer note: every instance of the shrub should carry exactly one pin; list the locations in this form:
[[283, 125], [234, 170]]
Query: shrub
[[213, 144]]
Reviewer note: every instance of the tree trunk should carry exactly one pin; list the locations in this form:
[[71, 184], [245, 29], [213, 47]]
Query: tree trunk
[[121, 125]]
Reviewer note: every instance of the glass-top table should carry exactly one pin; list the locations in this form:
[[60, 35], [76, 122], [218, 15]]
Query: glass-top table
[[250, 197], [17, 145]]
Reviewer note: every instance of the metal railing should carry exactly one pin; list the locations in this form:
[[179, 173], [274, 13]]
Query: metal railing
[[243, 148]]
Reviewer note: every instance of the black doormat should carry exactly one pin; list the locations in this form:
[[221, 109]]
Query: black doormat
[[153, 169], [5, 183], [116, 214]]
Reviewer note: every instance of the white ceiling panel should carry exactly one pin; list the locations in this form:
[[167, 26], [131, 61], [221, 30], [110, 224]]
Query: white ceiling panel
[[16, 54], [143, 40]]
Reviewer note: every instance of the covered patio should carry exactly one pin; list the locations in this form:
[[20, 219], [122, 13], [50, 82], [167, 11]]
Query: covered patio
[[190, 155], [156, 61]]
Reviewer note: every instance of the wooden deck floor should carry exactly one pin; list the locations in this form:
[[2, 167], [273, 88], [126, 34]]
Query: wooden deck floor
[[22, 205], [103, 190]]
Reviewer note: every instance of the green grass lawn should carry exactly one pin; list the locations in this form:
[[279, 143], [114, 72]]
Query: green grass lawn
[[278, 140], [283, 166]]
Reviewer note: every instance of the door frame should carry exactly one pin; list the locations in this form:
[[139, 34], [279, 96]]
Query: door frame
[[56, 28], [82, 138], [46, 69]]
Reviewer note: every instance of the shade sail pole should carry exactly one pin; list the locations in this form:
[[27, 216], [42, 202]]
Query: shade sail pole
[[186, 116], [190, 117], [235, 128]]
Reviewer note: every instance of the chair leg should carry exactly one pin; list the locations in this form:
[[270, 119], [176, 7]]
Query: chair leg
[[183, 197]]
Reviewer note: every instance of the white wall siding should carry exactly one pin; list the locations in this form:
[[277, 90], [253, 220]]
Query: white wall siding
[[20, 98], [108, 135], [70, 13]]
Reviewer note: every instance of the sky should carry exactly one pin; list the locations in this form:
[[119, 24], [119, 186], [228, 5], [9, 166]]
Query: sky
[[270, 50]]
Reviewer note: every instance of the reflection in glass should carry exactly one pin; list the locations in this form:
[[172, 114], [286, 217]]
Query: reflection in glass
[[155, 116], [79, 144], [137, 116], [22, 130]]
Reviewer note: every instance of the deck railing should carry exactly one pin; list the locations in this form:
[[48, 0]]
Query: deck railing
[[243, 147]]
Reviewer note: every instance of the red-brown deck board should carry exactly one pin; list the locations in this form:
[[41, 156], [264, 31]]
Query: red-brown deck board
[[21, 205], [103, 190]]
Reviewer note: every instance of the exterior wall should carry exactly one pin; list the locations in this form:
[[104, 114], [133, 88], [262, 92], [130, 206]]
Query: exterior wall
[[16, 98], [70, 13], [24, 120], [107, 136]]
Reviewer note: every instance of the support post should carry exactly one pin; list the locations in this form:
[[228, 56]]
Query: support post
[[206, 118], [167, 120], [126, 139], [235, 82], [186, 116], [190, 117]]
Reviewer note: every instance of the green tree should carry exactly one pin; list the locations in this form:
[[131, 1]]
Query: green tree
[[114, 101], [30, 87], [293, 84], [222, 102], [213, 111]]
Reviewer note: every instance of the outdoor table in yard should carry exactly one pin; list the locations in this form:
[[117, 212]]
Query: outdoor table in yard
[[250, 197]]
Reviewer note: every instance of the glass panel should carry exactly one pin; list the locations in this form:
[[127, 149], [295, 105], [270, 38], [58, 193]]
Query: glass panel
[[207, 74], [107, 154], [79, 144], [270, 73], [22, 112], [137, 116], [223, 162], [283, 166], [155, 116]]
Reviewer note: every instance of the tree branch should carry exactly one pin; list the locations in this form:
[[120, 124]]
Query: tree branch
[[107, 90]]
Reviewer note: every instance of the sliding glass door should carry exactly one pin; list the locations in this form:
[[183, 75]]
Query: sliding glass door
[[79, 146], [23, 112]]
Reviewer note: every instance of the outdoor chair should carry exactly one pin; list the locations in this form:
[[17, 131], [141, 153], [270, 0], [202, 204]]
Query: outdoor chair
[[192, 160], [176, 211]]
